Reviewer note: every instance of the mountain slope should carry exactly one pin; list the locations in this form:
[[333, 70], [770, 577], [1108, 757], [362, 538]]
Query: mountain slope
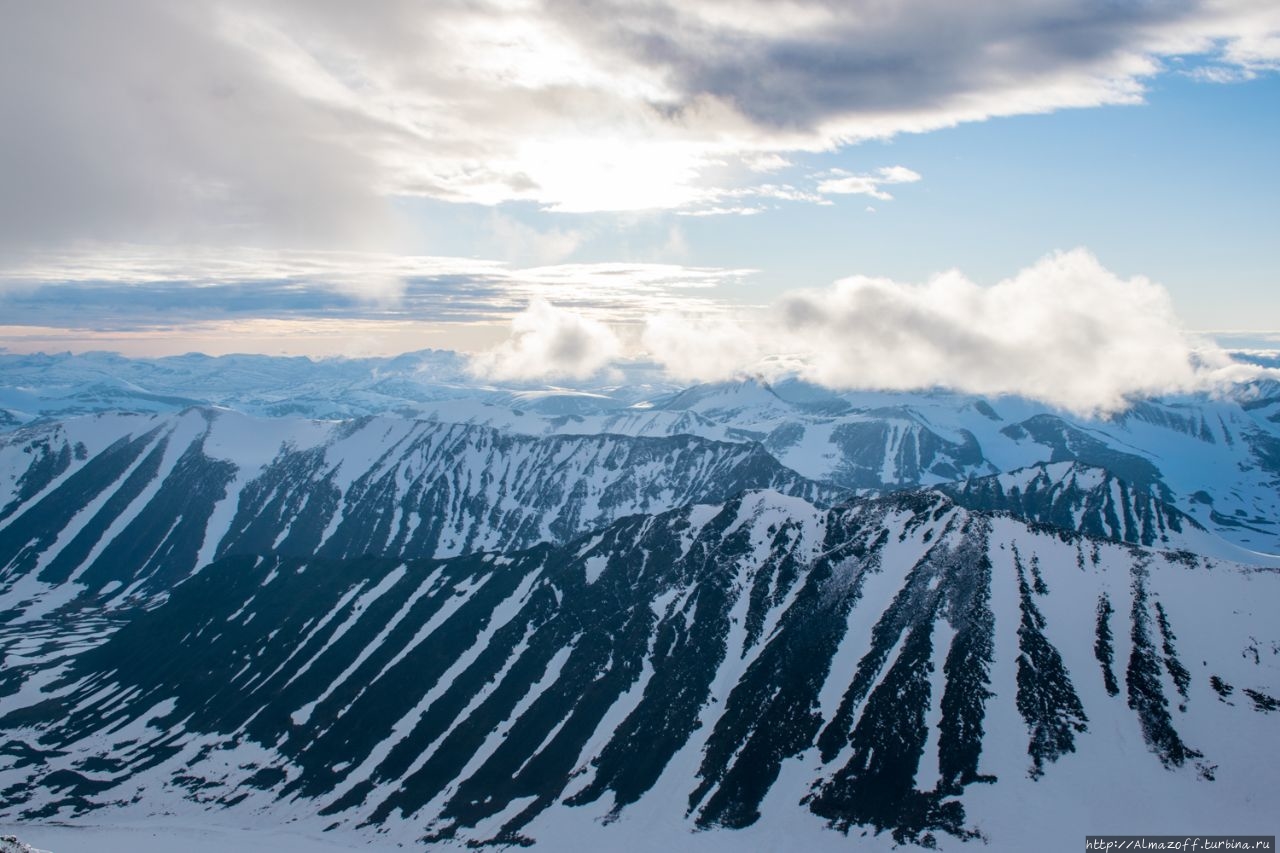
[[901, 666], [126, 506], [1215, 458], [1084, 499]]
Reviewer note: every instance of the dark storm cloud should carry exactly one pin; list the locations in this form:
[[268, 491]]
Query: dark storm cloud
[[876, 58]]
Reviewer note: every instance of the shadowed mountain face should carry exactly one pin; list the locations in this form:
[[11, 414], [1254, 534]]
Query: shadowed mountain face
[[127, 506], [877, 666], [1072, 496]]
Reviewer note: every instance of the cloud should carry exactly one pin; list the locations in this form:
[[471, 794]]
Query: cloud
[[549, 343], [766, 162], [1221, 74], [295, 122], [722, 211], [1064, 330], [694, 348], [627, 293], [140, 285], [122, 286], [153, 122], [1255, 45], [523, 243], [841, 182]]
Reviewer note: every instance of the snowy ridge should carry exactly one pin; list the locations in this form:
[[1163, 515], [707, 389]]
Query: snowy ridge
[[1086, 499], [11, 844], [1215, 460], [125, 506], [65, 385]]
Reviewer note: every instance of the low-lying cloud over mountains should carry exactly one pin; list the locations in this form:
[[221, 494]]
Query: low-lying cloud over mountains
[[1065, 330]]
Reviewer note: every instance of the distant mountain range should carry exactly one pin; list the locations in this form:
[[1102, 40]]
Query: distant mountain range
[[720, 617], [1216, 459]]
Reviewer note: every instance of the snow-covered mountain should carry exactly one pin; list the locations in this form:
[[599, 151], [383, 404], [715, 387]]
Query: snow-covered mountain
[[1085, 499], [1216, 459], [121, 506], [11, 844], [62, 385], [902, 667], [374, 598], [1213, 459]]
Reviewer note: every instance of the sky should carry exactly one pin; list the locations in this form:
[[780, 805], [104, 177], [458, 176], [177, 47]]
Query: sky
[[713, 184]]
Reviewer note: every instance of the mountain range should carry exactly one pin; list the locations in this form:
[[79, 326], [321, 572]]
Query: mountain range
[[743, 614]]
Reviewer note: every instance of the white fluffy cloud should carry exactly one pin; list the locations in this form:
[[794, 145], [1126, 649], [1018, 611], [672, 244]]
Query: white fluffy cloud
[[1065, 330], [547, 342]]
